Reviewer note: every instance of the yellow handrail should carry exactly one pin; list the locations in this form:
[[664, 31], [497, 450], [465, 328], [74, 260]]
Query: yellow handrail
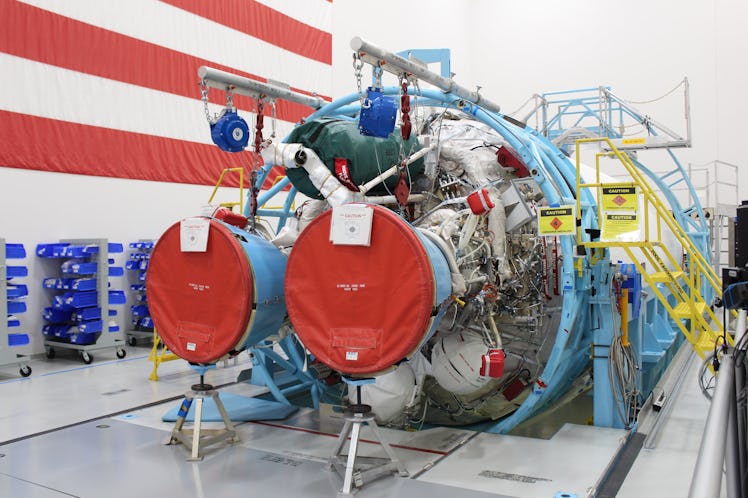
[[689, 294], [159, 357], [241, 188]]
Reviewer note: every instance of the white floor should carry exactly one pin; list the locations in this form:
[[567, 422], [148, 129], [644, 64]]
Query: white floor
[[672, 459], [64, 392]]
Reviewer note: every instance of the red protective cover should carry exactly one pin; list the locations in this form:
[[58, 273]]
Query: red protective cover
[[509, 159], [200, 302], [480, 201], [230, 218], [492, 364], [360, 309]]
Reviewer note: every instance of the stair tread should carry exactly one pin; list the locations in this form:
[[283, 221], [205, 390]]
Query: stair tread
[[683, 310], [662, 276], [706, 340]]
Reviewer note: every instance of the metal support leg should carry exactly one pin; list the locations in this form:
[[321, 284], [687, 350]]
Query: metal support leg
[[352, 453], [388, 450], [357, 471], [196, 430], [193, 438]]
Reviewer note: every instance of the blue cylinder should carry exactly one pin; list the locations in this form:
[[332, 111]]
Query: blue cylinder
[[212, 301], [230, 132], [361, 308]]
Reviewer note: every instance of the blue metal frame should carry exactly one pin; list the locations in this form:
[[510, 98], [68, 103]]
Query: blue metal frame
[[297, 379], [439, 56], [545, 161], [556, 176]]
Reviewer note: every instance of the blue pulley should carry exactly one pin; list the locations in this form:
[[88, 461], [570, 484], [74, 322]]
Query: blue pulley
[[230, 132], [378, 114]]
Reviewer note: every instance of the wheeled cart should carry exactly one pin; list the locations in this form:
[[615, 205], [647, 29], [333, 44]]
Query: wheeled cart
[[141, 323], [12, 294], [79, 317]]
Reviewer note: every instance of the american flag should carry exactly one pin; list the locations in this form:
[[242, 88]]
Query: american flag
[[110, 88]]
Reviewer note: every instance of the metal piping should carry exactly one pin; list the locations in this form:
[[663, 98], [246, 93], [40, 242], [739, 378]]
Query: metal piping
[[707, 475], [394, 169], [222, 80], [397, 65], [732, 450]]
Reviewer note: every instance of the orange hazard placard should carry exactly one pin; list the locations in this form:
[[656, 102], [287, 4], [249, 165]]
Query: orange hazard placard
[[556, 221], [620, 199]]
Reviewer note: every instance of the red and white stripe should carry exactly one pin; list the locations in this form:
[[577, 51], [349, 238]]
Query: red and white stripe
[[111, 89]]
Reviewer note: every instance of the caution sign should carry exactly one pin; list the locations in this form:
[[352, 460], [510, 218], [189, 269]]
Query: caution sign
[[620, 228], [556, 221], [620, 199]]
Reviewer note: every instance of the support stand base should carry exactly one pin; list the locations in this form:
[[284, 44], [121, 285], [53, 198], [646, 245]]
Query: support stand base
[[193, 438], [358, 471]]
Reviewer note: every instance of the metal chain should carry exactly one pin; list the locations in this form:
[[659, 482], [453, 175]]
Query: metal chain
[[416, 91], [377, 71], [358, 65], [229, 99], [259, 125], [405, 108], [204, 92], [272, 121]]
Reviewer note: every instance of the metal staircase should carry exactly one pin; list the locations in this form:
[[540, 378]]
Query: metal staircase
[[567, 116], [684, 282]]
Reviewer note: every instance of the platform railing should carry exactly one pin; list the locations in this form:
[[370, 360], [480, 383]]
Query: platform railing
[[692, 281]]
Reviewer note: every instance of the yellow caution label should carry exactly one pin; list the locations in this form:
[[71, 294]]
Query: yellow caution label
[[633, 141], [556, 221], [620, 199], [620, 228]]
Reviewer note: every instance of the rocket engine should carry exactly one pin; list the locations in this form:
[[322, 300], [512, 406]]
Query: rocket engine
[[453, 283]]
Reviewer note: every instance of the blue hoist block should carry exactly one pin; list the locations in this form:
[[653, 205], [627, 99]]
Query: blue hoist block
[[632, 282], [230, 132], [378, 114]]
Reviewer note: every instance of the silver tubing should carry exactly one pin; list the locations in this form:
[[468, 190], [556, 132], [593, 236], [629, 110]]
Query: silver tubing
[[397, 65], [222, 80], [707, 476], [732, 459]]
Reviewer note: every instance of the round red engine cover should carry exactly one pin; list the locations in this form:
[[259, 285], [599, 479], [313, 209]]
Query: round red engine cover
[[200, 302], [360, 309]]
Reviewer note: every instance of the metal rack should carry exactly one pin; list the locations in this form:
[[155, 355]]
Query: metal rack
[[8, 340], [97, 252], [142, 324]]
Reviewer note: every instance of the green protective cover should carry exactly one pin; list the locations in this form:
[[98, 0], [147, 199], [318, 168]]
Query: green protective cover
[[367, 156]]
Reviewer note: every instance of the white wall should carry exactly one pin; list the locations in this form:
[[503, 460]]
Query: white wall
[[39, 207], [398, 25], [511, 48], [640, 48]]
